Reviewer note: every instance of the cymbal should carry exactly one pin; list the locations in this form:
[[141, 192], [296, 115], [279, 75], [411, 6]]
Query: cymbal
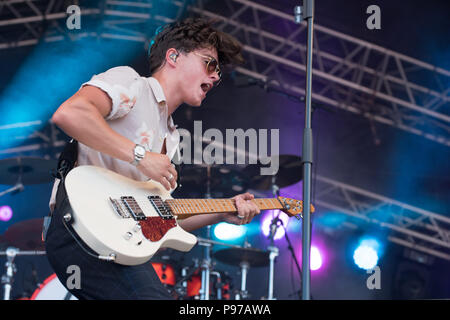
[[290, 171], [26, 235], [225, 181], [167, 256], [4, 243], [235, 256], [28, 170]]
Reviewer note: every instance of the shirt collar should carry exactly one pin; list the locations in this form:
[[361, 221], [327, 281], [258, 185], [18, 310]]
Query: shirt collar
[[160, 97], [157, 90]]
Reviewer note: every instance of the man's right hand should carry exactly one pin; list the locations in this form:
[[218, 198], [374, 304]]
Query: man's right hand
[[158, 167]]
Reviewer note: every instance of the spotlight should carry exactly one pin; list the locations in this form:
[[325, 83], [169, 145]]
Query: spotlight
[[226, 231], [315, 259], [5, 213], [366, 254]]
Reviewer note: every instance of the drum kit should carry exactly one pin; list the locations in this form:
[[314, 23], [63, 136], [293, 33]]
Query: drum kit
[[198, 281]]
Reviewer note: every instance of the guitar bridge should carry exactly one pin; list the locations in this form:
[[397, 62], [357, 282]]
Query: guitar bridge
[[119, 209]]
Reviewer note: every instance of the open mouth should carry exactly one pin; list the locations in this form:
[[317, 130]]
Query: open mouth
[[206, 87]]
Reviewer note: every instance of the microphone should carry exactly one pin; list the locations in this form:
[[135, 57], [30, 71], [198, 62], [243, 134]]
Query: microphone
[[273, 227]]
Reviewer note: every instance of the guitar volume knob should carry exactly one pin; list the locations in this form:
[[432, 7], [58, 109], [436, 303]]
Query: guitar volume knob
[[128, 236]]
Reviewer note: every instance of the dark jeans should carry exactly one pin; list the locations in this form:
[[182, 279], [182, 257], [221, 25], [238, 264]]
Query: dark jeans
[[100, 280]]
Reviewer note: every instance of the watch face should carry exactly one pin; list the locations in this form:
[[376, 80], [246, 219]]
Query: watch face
[[140, 150]]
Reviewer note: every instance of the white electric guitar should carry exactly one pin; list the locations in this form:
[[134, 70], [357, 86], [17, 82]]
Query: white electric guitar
[[128, 221]]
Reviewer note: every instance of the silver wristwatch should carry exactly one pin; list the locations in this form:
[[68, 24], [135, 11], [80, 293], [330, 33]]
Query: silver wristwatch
[[139, 154]]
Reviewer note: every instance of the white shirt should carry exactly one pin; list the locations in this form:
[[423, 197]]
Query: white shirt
[[139, 113]]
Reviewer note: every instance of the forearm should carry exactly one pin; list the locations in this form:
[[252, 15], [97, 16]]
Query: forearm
[[84, 123], [200, 221]]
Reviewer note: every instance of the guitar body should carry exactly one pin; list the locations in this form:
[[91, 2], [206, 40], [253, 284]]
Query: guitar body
[[94, 194]]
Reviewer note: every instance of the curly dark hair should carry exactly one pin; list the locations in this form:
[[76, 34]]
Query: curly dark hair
[[191, 34]]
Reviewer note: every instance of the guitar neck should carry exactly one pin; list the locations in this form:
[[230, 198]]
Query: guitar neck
[[184, 208]]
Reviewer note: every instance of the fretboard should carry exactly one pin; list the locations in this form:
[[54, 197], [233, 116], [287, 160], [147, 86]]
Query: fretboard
[[184, 208]]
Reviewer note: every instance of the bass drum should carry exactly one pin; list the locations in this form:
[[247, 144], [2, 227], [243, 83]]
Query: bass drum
[[52, 289]]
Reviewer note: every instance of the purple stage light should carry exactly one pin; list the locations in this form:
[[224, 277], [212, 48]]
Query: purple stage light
[[316, 259], [5, 213]]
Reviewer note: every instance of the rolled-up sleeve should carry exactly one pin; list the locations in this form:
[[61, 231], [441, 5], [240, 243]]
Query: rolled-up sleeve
[[122, 84]]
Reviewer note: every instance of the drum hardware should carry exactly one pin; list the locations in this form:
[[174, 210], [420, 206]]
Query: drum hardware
[[210, 177], [52, 289], [165, 272], [290, 171], [206, 267], [219, 181], [218, 284], [22, 171], [243, 293], [190, 285], [244, 258], [26, 235], [187, 285], [18, 187], [8, 278], [181, 286], [23, 238], [206, 262], [273, 254]]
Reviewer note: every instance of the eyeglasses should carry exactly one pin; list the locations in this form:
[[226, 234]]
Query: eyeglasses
[[212, 66]]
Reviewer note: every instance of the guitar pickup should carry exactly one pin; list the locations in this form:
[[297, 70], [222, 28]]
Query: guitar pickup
[[161, 208], [133, 208]]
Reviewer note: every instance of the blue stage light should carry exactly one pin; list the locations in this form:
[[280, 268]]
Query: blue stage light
[[228, 232], [367, 253]]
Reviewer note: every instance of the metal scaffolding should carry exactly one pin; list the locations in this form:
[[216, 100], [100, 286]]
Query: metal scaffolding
[[33, 137], [348, 73], [352, 74], [409, 225]]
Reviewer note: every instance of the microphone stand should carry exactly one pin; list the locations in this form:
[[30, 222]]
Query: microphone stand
[[273, 254], [306, 12], [291, 249]]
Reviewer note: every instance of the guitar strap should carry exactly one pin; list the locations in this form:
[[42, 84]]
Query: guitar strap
[[66, 162], [67, 159]]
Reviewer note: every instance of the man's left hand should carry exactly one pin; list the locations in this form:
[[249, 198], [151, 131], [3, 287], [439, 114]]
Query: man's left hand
[[247, 209]]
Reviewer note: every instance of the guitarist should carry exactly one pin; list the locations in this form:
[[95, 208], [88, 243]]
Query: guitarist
[[122, 121]]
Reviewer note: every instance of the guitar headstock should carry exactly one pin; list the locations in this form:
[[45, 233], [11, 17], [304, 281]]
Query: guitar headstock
[[293, 207]]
